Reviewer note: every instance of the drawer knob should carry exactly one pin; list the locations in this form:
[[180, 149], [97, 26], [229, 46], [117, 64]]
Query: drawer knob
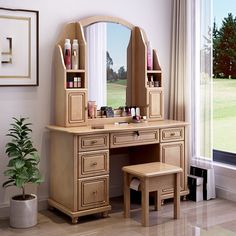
[[94, 163], [95, 192], [137, 133]]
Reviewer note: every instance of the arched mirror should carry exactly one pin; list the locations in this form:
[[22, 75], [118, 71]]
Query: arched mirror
[[108, 49]]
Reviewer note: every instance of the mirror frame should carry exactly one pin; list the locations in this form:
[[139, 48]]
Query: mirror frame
[[95, 19]]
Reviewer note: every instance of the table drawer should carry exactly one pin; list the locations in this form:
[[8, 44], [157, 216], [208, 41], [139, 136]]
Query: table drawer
[[172, 134], [134, 138], [93, 163], [93, 192], [93, 142]]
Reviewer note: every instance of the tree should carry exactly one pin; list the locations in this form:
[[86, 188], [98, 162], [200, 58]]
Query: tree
[[122, 74], [111, 75], [216, 69], [225, 48], [109, 61]]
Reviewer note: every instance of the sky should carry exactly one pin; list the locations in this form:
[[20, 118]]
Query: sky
[[118, 36], [117, 41], [221, 8]]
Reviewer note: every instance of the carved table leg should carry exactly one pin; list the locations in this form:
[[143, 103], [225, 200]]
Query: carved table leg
[[74, 220], [105, 214], [184, 198]]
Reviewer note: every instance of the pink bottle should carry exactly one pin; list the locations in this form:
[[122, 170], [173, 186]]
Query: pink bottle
[[67, 59], [149, 56], [67, 54]]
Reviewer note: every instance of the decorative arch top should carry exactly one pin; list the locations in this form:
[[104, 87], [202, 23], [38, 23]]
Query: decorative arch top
[[95, 19]]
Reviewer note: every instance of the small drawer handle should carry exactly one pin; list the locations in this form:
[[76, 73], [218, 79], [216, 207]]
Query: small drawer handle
[[95, 192], [94, 141], [94, 163], [137, 133], [172, 134]]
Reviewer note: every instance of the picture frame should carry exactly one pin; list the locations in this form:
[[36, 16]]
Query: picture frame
[[19, 46]]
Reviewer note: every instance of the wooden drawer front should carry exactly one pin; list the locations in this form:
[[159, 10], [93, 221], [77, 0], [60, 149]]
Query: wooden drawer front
[[93, 192], [133, 138], [93, 142], [93, 163], [172, 134]]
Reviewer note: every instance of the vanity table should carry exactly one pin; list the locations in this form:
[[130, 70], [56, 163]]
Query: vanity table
[[79, 183], [81, 147]]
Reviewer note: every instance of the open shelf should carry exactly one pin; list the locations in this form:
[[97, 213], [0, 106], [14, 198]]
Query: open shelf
[[154, 72], [76, 71]]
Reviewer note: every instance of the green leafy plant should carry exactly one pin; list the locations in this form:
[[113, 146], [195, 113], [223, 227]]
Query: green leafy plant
[[24, 158]]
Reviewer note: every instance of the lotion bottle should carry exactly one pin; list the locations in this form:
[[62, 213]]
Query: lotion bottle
[[67, 54], [75, 55]]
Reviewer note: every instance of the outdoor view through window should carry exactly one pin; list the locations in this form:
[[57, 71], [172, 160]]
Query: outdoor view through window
[[118, 38], [224, 71]]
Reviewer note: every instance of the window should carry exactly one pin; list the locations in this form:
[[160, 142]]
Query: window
[[224, 81]]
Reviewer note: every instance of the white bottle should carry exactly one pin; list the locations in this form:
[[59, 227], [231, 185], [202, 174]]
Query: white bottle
[[67, 54], [75, 55]]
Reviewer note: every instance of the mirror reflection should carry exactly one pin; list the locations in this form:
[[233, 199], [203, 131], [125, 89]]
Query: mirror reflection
[[107, 45]]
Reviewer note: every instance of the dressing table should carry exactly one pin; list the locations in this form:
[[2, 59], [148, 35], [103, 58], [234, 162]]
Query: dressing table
[[81, 147]]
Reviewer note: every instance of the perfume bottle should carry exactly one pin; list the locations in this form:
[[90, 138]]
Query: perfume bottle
[[149, 56], [67, 54]]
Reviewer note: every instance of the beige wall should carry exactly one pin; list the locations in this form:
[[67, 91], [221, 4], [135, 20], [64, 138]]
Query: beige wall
[[37, 102]]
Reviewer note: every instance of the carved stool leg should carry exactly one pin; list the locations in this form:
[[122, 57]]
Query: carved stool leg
[[157, 201], [126, 196]]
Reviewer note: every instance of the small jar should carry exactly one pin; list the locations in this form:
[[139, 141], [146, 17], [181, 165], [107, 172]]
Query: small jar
[[156, 83], [123, 112], [95, 111], [79, 85], [91, 105]]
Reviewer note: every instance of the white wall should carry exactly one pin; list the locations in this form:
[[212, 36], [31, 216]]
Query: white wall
[[37, 102]]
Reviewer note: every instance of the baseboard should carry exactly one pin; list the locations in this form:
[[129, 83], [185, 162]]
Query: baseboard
[[4, 208], [115, 191], [225, 194]]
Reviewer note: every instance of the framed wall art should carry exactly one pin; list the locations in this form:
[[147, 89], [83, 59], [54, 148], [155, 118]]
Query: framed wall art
[[18, 47]]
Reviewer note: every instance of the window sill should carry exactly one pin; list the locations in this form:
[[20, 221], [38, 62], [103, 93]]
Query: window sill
[[219, 168], [224, 169]]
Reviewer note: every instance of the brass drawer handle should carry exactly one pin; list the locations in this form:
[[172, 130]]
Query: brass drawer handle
[[172, 134], [137, 133], [94, 163], [94, 141]]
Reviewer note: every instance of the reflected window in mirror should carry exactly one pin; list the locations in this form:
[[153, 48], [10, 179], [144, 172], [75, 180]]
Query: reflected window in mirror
[[108, 46]]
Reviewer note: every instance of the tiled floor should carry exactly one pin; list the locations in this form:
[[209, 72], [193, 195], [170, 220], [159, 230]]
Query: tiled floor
[[215, 217]]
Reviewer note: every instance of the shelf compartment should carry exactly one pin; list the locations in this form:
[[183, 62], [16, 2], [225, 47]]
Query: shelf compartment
[[72, 82]]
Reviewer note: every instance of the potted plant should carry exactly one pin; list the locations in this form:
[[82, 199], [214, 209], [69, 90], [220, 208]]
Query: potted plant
[[22, 169]]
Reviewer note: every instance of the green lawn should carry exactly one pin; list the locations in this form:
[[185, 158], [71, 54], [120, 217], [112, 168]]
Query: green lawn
[[224, 114], [116, 92], [224, 110]]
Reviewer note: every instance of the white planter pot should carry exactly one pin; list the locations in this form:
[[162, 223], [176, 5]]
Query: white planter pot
[[23, 213]]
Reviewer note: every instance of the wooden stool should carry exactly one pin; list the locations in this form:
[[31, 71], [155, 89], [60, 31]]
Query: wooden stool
[[153, 176]]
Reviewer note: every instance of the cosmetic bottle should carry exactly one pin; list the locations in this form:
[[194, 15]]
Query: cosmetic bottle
[[75, 84], [67, 54], [149, 56], [75, 55], [79, 85]]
